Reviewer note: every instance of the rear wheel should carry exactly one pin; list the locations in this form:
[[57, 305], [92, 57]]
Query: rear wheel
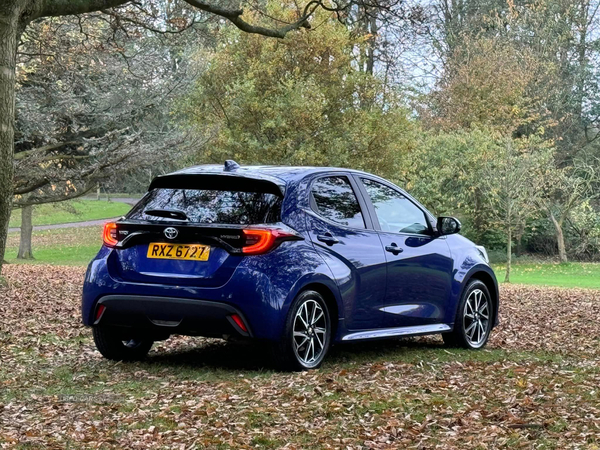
[[307, 335], [473, 322], [119, 347]]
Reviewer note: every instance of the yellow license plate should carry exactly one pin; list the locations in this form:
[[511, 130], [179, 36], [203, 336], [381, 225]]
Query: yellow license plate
[[194, 252]]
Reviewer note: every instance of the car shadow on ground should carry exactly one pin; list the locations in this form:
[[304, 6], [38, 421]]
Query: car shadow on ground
[[251, 356]]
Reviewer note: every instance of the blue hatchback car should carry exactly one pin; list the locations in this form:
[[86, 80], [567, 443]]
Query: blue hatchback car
[[300, 257]]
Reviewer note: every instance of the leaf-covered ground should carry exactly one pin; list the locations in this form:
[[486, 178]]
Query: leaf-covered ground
[[537, 385]]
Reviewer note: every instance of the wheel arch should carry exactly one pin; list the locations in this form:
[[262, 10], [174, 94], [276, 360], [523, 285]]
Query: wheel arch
[[489, 279], [330, 301]]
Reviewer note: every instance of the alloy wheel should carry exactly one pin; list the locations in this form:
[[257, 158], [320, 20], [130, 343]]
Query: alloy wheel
[[310, 333], [476, 318]]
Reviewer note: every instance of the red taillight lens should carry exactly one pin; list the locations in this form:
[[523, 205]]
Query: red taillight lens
[[110, 234], [261, 241]]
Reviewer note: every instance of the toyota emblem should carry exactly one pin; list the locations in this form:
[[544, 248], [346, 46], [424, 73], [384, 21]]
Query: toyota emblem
[[171, 233]]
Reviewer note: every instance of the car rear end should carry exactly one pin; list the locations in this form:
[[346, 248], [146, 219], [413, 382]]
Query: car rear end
[[192, 258]]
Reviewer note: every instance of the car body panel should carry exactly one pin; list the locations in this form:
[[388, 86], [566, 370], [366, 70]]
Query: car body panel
[[375, 294], [418, 280], [357, 263]]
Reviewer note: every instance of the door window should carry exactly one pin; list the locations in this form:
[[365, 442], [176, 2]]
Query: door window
[[336, 201], [395, 212]]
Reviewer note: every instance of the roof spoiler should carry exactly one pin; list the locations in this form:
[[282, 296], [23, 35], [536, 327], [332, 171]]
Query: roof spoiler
[[226, 181]]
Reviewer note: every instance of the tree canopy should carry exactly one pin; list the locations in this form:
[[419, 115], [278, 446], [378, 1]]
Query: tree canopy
[[297, 101]]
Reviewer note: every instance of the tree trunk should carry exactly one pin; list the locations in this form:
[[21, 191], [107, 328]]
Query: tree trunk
[[560, 239], [508, 255], [9, 31], [519, 238], [372, 42], [26, 231]]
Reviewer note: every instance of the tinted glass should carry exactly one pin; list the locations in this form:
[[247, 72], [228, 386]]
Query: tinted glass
[[212, 206], [395, 212], [336, 201]]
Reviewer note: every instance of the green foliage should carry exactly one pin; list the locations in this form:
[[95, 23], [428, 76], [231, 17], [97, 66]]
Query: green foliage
[[299, 100], [477, 175]]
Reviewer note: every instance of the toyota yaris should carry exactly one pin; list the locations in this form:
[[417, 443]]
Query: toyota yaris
[[299, 257]]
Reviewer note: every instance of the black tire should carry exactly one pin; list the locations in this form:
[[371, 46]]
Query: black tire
[[463, 335], [119, 348], [288, 354]]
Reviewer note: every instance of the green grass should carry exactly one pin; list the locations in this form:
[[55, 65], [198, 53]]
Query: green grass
[[63, 246], [72, 211], [575, 274], [63, 256], [77, 246]]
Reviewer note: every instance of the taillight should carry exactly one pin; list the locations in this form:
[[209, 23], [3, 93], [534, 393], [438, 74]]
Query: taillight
[[261, 241], [110, 234]]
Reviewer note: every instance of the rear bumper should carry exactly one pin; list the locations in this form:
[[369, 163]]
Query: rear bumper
[[168, 315]]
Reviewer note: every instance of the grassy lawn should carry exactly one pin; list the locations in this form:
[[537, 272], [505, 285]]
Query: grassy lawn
[[77, 246], [585, 275], [72, 211], [534, 386], [66, 246]]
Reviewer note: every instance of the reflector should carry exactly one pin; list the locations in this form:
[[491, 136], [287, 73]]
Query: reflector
[[240, 323]]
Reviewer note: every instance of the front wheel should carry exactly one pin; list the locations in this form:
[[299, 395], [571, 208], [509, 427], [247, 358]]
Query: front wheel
[[120, 348], [307, 334], [473, 322]]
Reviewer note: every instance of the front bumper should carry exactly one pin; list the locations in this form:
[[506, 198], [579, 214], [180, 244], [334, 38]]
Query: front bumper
[[168, 315]]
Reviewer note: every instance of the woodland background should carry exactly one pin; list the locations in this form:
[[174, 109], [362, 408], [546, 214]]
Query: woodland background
[[483, 109]]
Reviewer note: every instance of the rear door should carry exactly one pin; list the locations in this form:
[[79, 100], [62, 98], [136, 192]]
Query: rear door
[[339, 227], [419, 265], [188, 236]]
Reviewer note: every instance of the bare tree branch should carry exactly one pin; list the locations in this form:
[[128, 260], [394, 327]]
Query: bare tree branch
[[234, 16], [53, 8]]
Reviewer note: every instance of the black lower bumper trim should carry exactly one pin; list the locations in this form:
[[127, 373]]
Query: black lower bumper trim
[[171, 315]]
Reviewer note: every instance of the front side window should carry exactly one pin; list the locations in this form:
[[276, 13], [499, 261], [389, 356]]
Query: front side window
[[395, 212], [336, 201], [211, 206]]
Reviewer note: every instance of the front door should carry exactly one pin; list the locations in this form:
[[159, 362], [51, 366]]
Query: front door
[[340, 229], [419, 265]]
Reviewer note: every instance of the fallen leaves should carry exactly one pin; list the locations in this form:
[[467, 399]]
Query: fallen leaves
[[535, 386]]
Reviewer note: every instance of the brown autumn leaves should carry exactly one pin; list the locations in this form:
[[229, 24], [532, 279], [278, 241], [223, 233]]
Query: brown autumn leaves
[[537, 385]]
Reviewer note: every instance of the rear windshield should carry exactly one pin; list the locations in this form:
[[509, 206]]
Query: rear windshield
[[211, 206]]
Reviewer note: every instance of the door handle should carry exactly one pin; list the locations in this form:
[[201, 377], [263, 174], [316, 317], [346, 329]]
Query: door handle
[[327, 238], [393, 248]]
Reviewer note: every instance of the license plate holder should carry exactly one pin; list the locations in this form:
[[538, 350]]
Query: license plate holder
[[182, 252]]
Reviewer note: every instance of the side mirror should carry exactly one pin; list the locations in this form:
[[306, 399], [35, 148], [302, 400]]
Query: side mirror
[[448, 225]]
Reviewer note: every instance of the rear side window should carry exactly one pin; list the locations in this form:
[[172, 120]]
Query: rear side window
[[211, 206], [335, 200]]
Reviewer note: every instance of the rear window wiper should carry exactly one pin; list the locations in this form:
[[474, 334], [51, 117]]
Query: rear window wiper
[[168, 213]]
